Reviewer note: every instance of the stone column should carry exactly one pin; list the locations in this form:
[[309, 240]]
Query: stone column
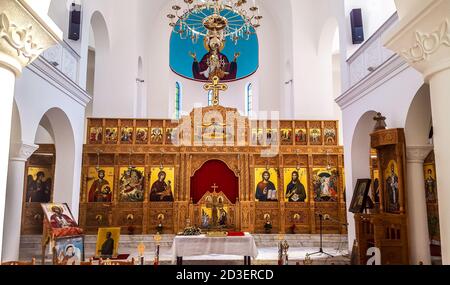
[[19, 155], [440, 105], [419, 239], [24, 35], [423, 39]]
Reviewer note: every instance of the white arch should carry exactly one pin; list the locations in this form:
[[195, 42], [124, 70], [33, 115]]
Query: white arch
[[101, 32], [58, 11], [359, 165], [327, 36], [140, 108], [64, 138], [419, 119], [102, 41], [16, 126]]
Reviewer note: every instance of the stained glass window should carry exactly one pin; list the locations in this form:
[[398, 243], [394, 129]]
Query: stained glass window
[[248, 99], [178, 100], [210, 98]]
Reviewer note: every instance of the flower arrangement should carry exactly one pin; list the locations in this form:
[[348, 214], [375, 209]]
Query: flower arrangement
[[191, 231]]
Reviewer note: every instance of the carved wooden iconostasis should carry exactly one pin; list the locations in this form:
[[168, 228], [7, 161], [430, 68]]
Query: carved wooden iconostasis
[[385, 226], [138, 174], [38, 188]]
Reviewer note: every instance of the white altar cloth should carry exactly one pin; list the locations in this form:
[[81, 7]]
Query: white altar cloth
[[188, 246]]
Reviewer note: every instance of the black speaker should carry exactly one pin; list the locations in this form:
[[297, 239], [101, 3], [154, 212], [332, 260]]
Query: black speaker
[[75, 22], [357, 26]]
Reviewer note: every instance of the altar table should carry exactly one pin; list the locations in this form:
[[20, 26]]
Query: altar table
[[188, 246]]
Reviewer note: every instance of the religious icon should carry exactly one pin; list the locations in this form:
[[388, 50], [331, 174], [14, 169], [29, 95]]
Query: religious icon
[[59, 216], [206, 219], [100, 184], [126, 135], [214, 63], [315, 136], [430, 184], [330, 136], [131, 184], [325, 185], [107, 245], [297, 218], [266, 181], [69, 250], [198, 137], [223, 217], [254, 137], [39, 185], [360, 196], [217, 217], [170, 132], [162, 186], [141, 135], [260, 136], [392, 187], [215, 213], [96, 135], [296, 181], [214, 130], [111, 135], [286, 135], [272, 136], [376, 187], [300, 136], [157, 135]]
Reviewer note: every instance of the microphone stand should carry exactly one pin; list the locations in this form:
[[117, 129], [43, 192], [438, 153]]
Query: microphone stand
[[321, 251]]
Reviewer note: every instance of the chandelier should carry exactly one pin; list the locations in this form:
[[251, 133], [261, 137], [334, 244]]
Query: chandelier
[[215, 21], [233, 19]]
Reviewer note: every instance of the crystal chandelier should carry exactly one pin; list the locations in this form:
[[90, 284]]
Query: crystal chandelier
[[218, 19], [215, 21]]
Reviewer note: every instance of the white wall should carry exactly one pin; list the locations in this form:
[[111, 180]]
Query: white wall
[[374, 13], [315, 24], [34, 98], [390, 96], [43, 136], [59, 13], [116, 65]]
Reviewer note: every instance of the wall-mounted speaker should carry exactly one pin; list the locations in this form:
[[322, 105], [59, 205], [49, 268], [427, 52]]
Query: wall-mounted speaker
[[357, 26], [75, 22]]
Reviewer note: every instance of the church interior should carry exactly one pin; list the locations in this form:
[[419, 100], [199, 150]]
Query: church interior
[[256, 132]]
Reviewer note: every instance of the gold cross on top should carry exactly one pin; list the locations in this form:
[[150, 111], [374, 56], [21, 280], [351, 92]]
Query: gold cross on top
[[215, 187], [215, 87]]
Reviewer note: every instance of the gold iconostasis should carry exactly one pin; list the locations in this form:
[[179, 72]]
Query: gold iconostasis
[[134, 176]]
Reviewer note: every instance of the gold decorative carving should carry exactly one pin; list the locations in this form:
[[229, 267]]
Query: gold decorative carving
[[245, 214]]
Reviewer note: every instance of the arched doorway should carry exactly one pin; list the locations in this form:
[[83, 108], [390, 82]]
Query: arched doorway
[[423, 208], [214, 193], [140, 108], [97, 82], [214, 172], [359, 164]]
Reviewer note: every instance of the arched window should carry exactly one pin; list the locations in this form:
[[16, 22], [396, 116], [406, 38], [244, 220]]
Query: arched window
[[248, 99], [210, 98], [178, 100]]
